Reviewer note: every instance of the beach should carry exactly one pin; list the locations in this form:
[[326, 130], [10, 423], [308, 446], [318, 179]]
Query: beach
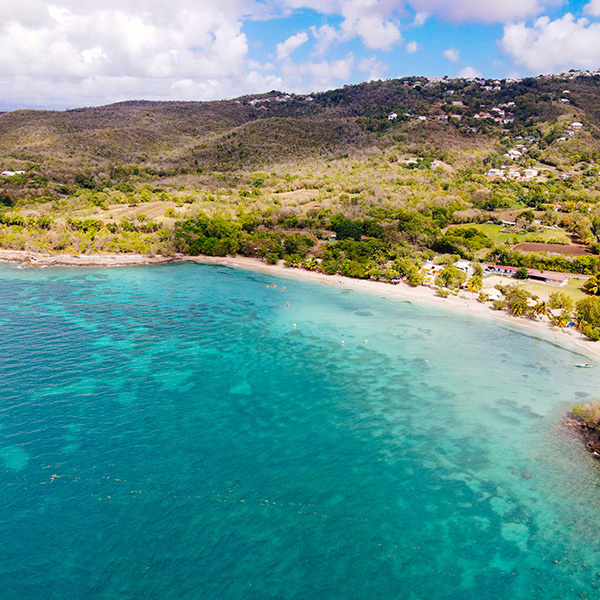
[[465, 302]]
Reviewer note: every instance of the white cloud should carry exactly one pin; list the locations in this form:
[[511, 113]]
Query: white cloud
[[469, 73], [373, 68], [562, 44], [412, 47], [291, 44], [310, 76], [452, 54], [373, 21], [420, 19], [102, 49], [593, 8], [483, 11], [325, 36]]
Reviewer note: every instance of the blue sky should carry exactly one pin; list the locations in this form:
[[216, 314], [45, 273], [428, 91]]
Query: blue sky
[[68, 53]]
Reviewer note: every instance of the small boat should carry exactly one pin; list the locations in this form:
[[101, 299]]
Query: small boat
[[584, 365]]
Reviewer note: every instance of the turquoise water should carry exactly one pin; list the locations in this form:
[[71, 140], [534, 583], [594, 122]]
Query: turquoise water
[[166, 432]]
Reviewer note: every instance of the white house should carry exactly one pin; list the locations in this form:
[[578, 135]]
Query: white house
[[392, 116]]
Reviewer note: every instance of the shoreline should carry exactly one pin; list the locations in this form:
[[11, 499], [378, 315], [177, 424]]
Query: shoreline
[[464, 302]]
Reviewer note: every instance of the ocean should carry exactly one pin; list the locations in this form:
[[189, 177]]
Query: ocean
[[203, 432]]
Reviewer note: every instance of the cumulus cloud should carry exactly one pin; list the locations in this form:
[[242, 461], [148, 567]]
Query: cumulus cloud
[[483, 11], [412, 47], [469, 73], [291, 44], [452, 54], [373, 68], [373, 21], [316, 75], [564, 44], [324, 36], [593, 8], [105, 45]]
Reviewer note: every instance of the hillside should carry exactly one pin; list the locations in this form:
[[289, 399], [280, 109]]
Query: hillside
[[267, 129]]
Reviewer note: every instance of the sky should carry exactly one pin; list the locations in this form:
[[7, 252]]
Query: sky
[[63, 54]]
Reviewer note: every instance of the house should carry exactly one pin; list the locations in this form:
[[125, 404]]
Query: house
[[392, 116], [493, 294], [513, 154], [552, 278], [465, 267], [500, 270], [529, 174], [577, 126], [11, 173], [495, 174]]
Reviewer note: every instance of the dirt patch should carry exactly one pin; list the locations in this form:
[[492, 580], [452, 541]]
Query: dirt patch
[[572, 250]]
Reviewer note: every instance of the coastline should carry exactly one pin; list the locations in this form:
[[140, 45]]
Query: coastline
[[464, 302]]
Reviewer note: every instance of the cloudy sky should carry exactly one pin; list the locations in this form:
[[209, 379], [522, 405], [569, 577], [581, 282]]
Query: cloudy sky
[[72, 53]]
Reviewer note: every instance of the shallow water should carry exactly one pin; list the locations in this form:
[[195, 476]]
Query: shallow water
[[166, 432]]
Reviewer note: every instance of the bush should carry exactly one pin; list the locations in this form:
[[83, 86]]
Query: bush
[[589, 413]]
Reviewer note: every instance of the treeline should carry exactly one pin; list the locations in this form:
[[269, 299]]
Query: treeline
[[585, 265]]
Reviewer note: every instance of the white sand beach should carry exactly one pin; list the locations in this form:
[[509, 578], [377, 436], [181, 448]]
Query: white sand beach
[[464, 301]]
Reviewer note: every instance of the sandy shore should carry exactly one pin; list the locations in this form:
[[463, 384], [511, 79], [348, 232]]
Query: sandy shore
[[464, 302]]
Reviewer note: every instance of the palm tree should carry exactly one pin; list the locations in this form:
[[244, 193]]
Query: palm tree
[[562, 320], [518, 307], [592, 285], [541, 309]]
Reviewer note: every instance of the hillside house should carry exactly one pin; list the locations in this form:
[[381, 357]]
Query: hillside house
[[392, 116], [577, 126]]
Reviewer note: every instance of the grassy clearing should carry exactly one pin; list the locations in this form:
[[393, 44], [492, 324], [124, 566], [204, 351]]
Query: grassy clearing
[[500, 237]]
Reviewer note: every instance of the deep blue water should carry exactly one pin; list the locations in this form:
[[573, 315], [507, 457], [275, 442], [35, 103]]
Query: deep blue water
[[167, 433]]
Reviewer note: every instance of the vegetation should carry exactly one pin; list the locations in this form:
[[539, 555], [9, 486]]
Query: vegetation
[[328, 182], [589, 413]]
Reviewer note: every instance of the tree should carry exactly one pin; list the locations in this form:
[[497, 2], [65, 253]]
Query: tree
[[540, 309], [588, 317], [450, 277], [475, 284], [592, 285], [522, 273], [559, 300]]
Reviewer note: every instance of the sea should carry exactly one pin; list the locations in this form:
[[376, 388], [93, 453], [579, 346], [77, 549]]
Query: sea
[[199, 432]]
